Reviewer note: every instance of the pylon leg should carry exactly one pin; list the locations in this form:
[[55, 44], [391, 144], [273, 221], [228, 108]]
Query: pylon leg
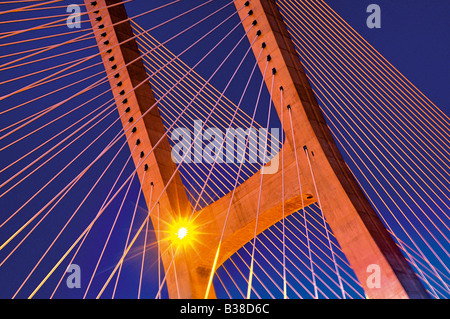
[[133, 96], [360, 233]]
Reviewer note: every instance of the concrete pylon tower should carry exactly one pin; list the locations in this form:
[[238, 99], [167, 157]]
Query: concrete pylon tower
[[360, 233]]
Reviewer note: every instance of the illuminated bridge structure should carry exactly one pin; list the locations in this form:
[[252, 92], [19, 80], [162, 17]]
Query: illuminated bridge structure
[[349, 200]]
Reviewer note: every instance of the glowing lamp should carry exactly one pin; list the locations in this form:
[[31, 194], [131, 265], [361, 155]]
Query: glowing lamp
[[182, 233]]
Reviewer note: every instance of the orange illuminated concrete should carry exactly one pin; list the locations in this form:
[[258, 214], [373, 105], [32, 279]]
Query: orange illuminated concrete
[[360, 233], [131, 89]]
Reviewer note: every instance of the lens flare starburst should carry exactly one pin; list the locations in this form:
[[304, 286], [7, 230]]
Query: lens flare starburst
[[183, 232]]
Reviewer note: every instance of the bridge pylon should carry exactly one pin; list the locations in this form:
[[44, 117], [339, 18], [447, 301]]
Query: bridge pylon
[[324, 174]]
